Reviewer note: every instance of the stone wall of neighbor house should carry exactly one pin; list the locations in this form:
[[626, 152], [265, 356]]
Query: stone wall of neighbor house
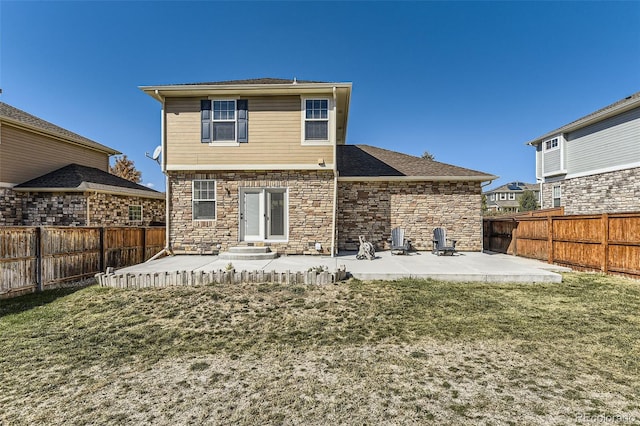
[[310, 208], [373, 209], [53, 209], [70, 209], [612, 192], [113, 210], [10, 207]]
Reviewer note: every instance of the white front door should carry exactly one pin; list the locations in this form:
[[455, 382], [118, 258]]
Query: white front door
[[263, 214]]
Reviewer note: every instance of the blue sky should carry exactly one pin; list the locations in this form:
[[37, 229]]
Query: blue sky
[[470, 82]]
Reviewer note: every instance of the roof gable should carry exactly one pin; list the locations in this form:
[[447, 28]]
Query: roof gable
[[365, 161], [618, 107], [16, 116]]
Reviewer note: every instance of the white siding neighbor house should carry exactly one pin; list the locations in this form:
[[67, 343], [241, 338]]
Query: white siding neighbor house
[[592, 165]]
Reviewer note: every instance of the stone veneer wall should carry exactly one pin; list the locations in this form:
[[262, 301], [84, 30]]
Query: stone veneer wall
[[10, 207], [113, 210], [70, 209], [53, 209], [611, 192], [310, 195], [372, 209]]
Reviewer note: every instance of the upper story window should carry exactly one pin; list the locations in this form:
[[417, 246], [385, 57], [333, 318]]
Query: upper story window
[[503, 196], [551, 144], [316, 120], [492, 197], [204, 199], [224, 120], [512, 196]]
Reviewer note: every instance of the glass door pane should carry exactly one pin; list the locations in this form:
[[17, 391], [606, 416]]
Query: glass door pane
[[277, 214]]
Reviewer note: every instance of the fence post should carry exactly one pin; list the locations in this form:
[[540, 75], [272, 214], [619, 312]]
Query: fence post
[[550, 239], [605, 243], [101, 248], [39, 266], [144, 245]]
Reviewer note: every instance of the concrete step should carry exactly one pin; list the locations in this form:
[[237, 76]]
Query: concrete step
[[249, 249], [248, 253]]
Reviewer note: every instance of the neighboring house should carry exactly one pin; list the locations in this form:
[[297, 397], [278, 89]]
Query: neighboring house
[[506, 198], [264, 162], [51, 176], [592, 165]]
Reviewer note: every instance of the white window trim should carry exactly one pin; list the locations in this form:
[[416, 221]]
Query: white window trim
[[512, 196], [558, 140], [502, 196], [141, 213], [553, 195], [235, 121], [330, 120], [215, 200]]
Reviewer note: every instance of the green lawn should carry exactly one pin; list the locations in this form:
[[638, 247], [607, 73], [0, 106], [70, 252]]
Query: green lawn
[[403, 352]]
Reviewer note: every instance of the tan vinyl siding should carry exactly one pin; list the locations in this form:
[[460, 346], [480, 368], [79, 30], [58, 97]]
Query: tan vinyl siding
[[25, 155], [274, 135]]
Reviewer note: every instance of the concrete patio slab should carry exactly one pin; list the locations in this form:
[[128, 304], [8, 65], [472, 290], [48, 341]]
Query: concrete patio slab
[[473, 266]]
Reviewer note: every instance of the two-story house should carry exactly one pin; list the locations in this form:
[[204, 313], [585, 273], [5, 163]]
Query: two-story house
[[592, 165], [52, 176], [265, 162], [506, 198]]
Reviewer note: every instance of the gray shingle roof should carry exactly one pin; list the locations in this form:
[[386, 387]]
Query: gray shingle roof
[[77, 177], [515, 187], [369, 161], [15, 115], [265, 80]]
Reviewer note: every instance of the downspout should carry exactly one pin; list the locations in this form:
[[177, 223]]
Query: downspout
[[167, 248], [335, 177]]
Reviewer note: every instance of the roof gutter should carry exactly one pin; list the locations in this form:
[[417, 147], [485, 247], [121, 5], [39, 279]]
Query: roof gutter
[[481, 178], [82, 189]]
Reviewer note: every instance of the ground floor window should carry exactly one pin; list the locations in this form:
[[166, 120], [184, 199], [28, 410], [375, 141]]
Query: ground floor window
[[557, 192], [135, 213], [204, 199], [264, 214]]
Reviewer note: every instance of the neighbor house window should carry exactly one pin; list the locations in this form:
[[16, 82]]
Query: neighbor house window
[[492, 197], [512, 196], [135, 213], [204, 199], [503, 196], [316, 119], [224, 120], [557, 193], [551, 144]]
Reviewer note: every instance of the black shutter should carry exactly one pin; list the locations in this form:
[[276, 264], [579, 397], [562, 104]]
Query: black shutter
[[242, 105], [205, 117]]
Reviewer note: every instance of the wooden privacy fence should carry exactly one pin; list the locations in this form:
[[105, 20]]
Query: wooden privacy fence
[[608, 242], [38, 258]]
